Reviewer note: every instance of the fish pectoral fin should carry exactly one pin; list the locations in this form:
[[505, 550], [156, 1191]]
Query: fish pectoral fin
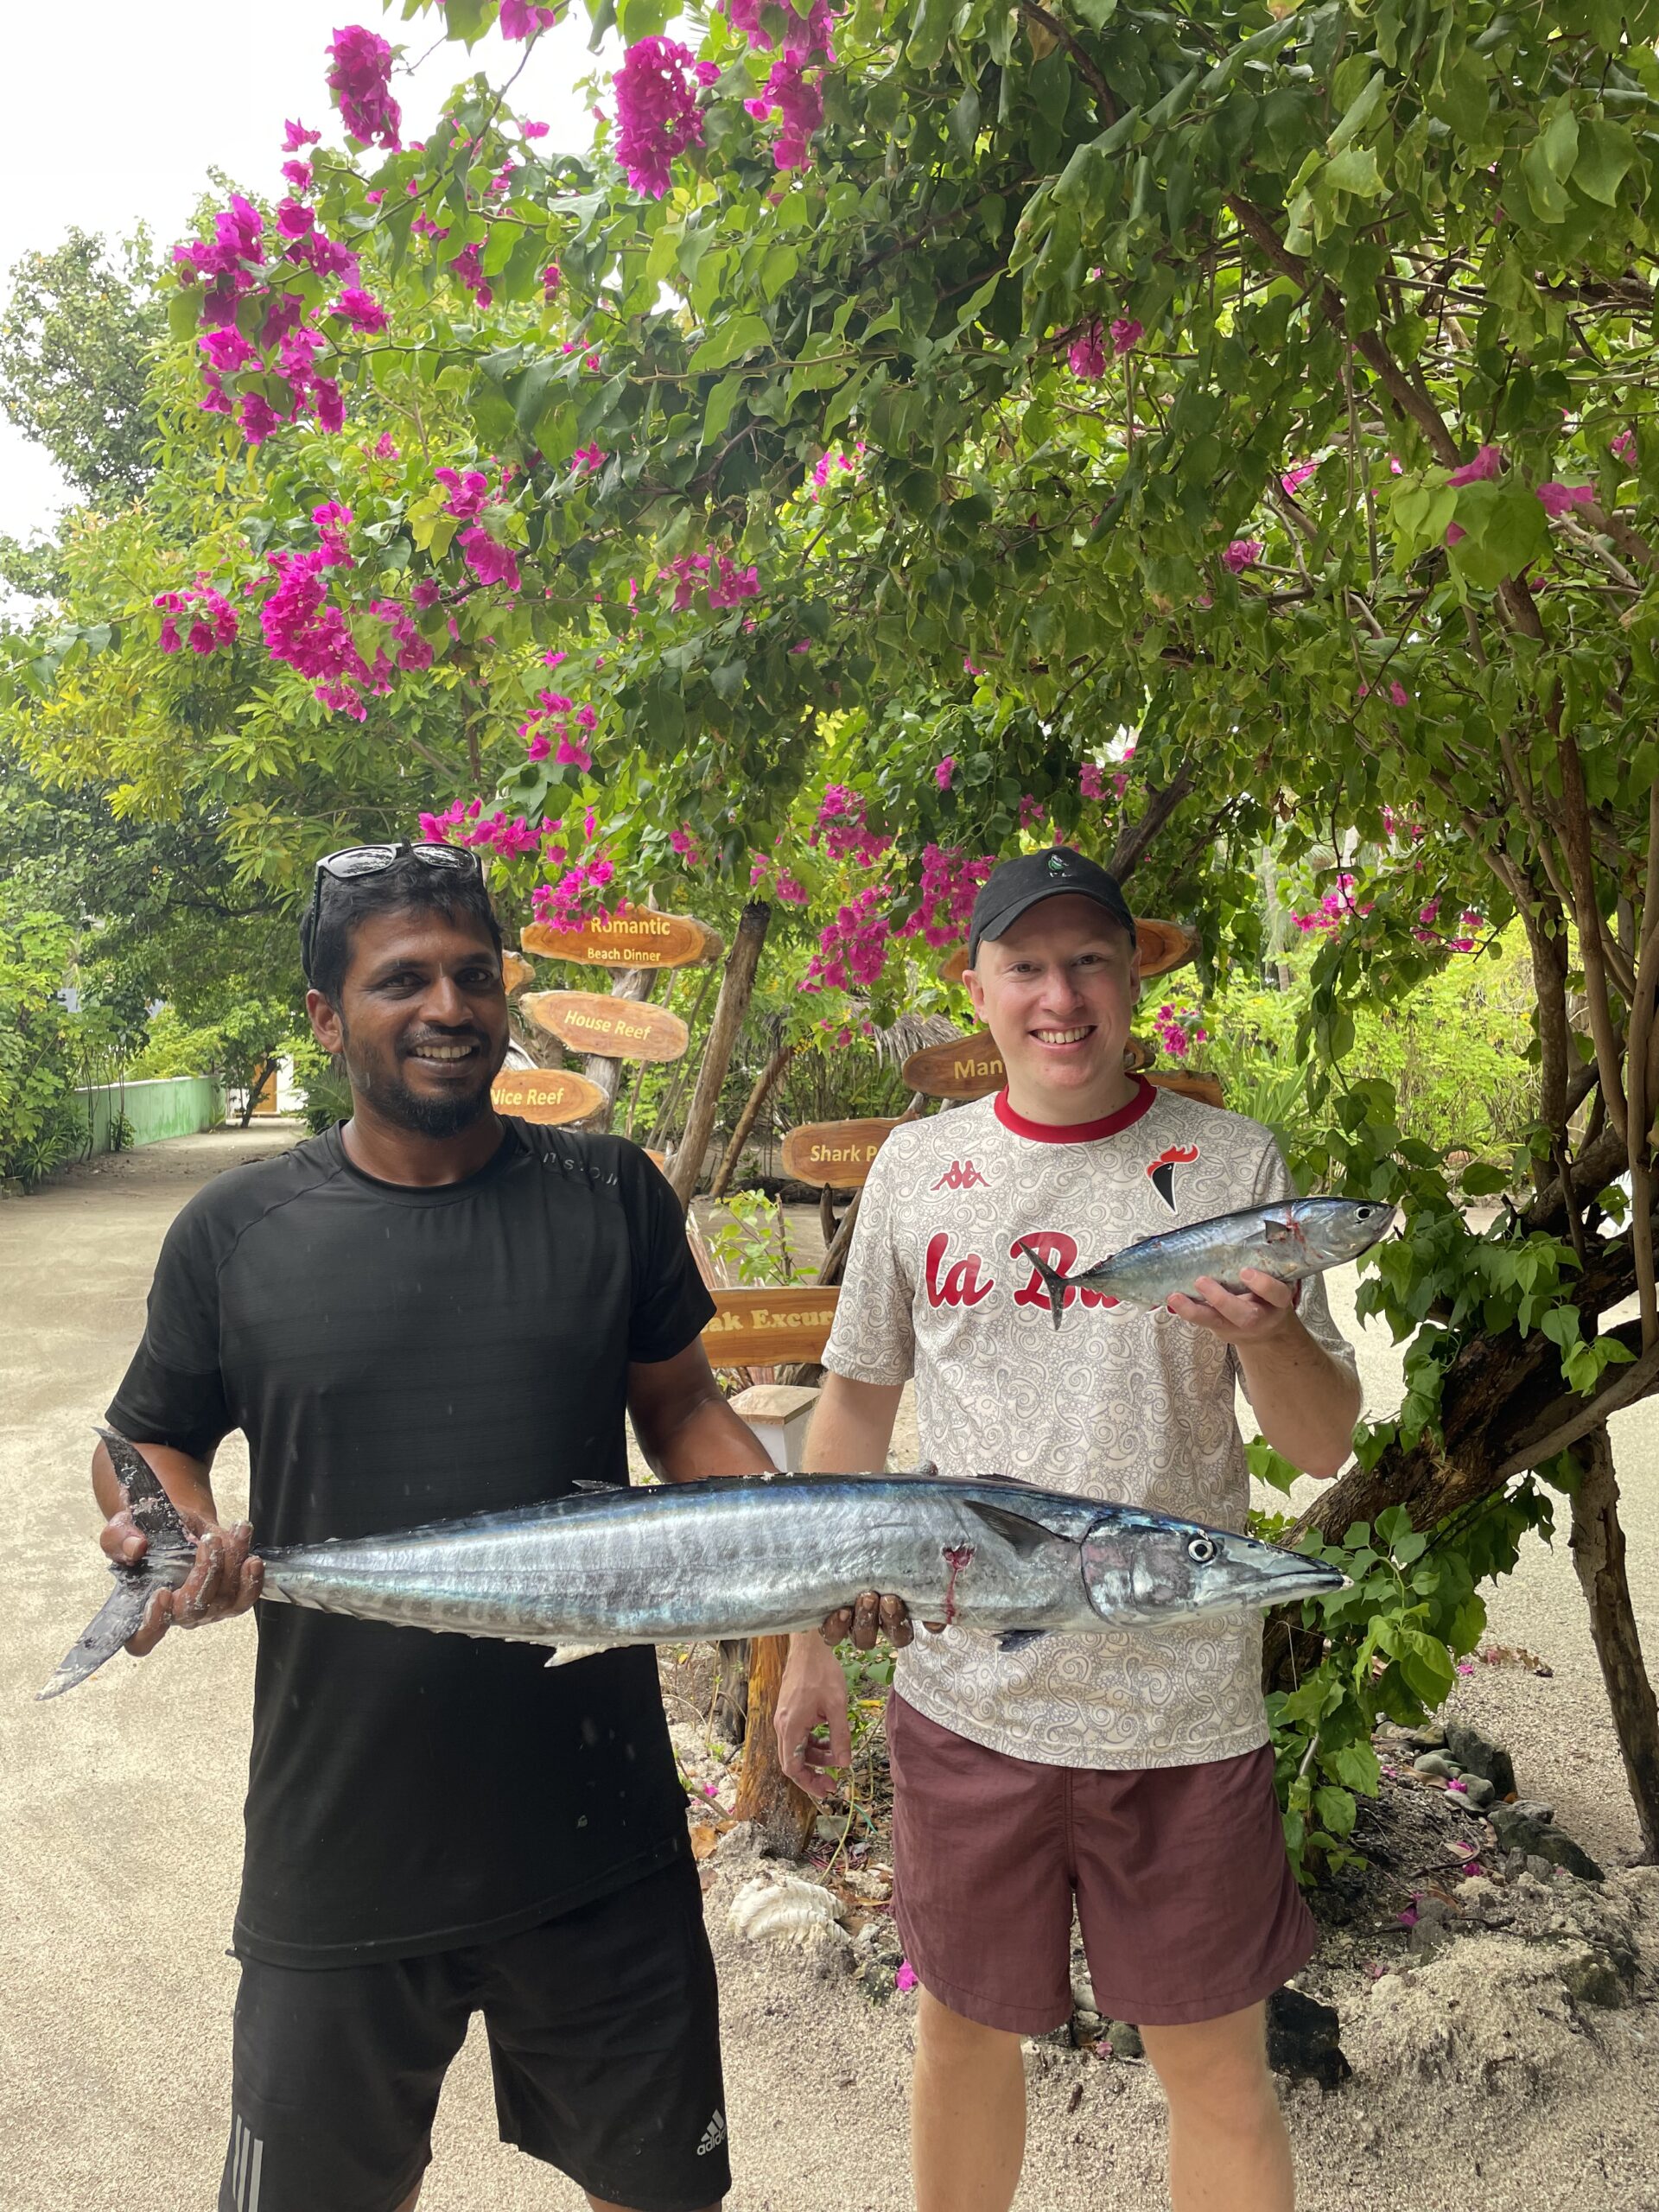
[[566, 1655], [1025, 1536], [1019, 1639]]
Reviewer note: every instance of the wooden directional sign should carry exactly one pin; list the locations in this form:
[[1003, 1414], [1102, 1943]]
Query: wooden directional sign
[[634, 936], [516, 972], [967, 1067], [551, 1095], [1162, 945], [767, 1328], [972, 1068], [620, 1029], [836, 1153], [1206, 1089]]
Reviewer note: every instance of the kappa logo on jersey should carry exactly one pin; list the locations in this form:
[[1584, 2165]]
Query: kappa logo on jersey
[[712, 2136], [1162, 1169], [962, 1175]]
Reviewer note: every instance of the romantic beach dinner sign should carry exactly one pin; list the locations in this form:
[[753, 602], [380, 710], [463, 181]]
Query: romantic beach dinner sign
[[634, 936], [768, 1328], [836, 1153], [618, 1029], [551, 1095]]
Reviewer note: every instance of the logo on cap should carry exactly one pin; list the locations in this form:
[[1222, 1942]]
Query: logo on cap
[[1057, 866]]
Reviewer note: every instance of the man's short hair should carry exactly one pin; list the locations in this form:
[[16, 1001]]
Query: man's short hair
[[408, 885]]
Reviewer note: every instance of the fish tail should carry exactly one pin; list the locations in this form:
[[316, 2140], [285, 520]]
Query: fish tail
[[1053, 1281], [169, 1542]]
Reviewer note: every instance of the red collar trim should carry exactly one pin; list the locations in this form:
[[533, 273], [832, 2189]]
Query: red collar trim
[[1078, 1132]]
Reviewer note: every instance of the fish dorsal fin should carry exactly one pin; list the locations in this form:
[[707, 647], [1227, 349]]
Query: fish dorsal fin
[[1025, 1536], [583, 1485]]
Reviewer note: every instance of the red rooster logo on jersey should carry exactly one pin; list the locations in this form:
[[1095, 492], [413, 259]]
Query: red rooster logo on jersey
[[1162, 1169]]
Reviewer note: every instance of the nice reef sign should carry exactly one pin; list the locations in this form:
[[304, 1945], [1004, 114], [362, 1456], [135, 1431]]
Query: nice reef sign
[[554, 1095]]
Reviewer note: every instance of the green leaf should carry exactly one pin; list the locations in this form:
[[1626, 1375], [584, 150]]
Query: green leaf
[[1559, 144], [1335, 1810], [929, 29], [1506, 528], [743, 334], [1355, 171], [1359, 112], [718, 413], [1427, 1665], [1605, 153]]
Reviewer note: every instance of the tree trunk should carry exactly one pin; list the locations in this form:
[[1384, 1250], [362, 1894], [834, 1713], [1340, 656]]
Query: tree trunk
[[764, 1084], [765, 1793], [632, 984], [735, 988], [728, 1712], [1597, 1544]]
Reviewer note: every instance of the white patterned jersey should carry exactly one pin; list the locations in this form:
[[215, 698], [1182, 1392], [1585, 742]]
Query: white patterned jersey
[[1117, 1403]]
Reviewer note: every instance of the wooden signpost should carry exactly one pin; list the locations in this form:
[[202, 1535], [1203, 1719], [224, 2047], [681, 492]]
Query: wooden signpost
[[1162, 945], [555, 1096], [516, 972], [634, 936], [972, 1068], [837, 1153], [619, 1028], [769, 1328], [967, 1067]]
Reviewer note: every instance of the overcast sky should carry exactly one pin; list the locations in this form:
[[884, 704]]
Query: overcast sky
[[117, 112]]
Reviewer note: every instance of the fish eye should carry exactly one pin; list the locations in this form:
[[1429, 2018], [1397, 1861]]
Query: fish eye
[[1201, 1550]]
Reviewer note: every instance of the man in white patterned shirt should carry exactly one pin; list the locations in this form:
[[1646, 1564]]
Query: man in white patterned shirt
[[1128, 1773]]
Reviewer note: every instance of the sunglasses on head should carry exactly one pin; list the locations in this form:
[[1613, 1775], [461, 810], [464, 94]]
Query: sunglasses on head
[[354, 861]]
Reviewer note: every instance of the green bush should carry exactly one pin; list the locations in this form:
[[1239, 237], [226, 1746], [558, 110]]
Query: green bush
[[41, 1042], [174, 1047], [321, 1080]]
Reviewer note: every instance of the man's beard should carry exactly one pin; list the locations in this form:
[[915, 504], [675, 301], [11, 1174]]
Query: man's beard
[[394, 1101]]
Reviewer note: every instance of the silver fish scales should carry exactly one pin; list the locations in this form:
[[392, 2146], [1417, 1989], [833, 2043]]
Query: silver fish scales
[[760, 1555], [1288, 1238]]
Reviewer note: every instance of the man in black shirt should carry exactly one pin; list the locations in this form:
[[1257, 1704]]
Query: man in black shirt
[[432, 1310]]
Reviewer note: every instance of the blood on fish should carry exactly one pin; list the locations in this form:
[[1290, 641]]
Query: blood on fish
[[957, 1556]]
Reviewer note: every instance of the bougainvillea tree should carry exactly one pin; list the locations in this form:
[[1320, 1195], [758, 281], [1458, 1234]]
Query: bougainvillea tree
[[894, 413]]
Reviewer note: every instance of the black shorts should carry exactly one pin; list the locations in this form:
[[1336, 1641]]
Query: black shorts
[[604, 2042]]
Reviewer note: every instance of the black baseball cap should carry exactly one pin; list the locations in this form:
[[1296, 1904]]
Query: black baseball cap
[[1009, 890]]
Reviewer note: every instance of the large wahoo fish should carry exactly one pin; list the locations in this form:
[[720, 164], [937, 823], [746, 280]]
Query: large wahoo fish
[[1288, 1238], [758, 1555]]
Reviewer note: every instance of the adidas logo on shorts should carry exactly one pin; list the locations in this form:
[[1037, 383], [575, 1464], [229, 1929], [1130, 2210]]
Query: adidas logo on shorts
[[712, 2136]]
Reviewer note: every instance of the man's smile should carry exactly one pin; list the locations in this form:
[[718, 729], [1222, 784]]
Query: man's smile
[[1064, 1036]]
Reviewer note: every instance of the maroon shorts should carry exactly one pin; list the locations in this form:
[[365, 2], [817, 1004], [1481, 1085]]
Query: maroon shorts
[[1188, 1907]]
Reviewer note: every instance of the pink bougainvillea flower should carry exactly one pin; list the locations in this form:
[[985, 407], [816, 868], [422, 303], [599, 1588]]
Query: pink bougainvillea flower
[[297, 136], [1242, 553], [333, 522], [1558, 500], [1032, 814], [1087, 353], [490, 561], [1487, 463], [1126, 335], [361, 81], [1091, 781], [1455, 533], [905, 1977], [294, 219], [1624, 446], [362, 312], [1293, 478], [946, 769], [589, 457], [521, 20], [533, 130], [552, 277], [657, 112], [467, 493], [298, 176]]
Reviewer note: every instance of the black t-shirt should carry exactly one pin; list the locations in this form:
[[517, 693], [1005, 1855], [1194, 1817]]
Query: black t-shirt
[[398, 1356]]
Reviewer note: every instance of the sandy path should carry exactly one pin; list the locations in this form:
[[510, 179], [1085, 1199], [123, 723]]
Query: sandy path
[[118, 1811]]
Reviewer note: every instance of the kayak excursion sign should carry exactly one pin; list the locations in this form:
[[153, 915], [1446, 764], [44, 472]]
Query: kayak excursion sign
[[769, 1328], [634, 937], [835, 1153], [616, 1028], [552, 1096]]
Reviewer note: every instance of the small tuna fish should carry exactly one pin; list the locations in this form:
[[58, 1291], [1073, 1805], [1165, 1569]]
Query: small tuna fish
[[759, 1555], [1290, 1238]]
